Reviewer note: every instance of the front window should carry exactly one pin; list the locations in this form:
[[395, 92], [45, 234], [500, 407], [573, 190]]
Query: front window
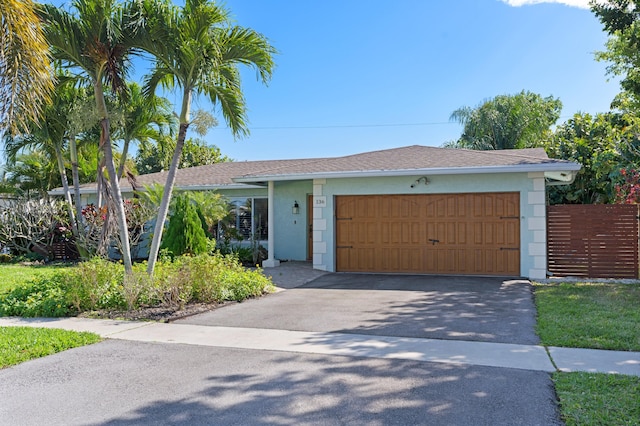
[[247, 220]]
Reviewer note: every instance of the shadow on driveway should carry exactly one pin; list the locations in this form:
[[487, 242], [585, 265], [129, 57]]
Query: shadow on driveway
[[441, 307], [133, 383]]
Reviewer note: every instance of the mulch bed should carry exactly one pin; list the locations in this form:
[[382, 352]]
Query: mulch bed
[[156, 313]]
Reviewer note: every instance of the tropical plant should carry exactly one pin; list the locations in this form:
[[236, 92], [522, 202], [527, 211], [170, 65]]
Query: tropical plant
[[145, 118], [31, 174], [596, 143], [96, 41], [51, 137], [507, 121], [197, 49], [25, 76]]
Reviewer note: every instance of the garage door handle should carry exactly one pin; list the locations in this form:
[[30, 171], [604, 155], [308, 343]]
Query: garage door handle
[[509, 248], [344, 246], [434, 242]]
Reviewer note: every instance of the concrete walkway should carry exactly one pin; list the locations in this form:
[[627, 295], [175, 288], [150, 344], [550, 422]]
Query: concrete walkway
[[524, 357]]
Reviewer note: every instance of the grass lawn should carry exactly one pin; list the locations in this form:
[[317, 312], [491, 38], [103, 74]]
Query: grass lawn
[[598, 399], [20, 344], [13, 275], [598, 316], [589, 315]]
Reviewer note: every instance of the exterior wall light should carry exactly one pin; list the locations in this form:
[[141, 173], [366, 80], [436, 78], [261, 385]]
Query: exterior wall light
[[417, 182], [296, 208]]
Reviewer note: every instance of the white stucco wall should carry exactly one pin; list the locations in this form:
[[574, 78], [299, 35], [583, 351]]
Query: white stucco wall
[[532, 208]]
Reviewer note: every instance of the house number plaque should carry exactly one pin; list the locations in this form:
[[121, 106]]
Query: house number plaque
[[320, 201]]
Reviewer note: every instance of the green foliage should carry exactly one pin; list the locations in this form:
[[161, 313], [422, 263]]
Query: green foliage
[[621, 20], [603, 145], [99, 284], [212, 206], [209, 279], [95, 284], [20, 344], [598, 399], [585, 315], [507, 121], [185, 233], [196, 152], [44, 297]]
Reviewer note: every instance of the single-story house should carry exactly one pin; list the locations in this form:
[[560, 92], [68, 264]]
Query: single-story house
[[415, 209]]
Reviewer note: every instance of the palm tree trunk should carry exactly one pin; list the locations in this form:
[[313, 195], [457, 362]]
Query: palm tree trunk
[[123, 157], [76, 178], [171, 180], [105, 144], [65, 187]]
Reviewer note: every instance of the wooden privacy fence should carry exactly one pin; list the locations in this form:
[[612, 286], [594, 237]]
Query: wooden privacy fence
[[593, 240]]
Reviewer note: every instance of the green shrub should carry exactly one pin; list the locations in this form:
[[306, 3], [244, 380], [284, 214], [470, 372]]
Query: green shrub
[[44, 297], [185, 233], [95, 284], [100, 284]]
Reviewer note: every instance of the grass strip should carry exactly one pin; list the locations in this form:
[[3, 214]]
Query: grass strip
[[598, 399], [20, 344], [589, 315], [14, 275]]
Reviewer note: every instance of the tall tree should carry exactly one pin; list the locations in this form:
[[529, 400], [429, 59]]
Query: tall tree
[[197, 49], [621, 20], [50, 137], [25, 76], [195, 152], [96, 40], [144, 118], [507, 121]]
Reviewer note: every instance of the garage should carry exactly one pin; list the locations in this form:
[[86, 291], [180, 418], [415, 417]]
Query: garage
[[473, 234]]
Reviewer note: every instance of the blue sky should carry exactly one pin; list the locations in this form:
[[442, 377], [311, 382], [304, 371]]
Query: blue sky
[[359, 75]]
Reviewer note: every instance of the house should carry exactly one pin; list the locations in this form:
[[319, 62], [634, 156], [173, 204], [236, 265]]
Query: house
[[415, 209]]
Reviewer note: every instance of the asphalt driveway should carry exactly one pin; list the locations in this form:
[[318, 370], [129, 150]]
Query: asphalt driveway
[[485, 309]]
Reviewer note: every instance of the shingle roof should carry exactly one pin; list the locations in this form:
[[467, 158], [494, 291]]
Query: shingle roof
[[416, 158]]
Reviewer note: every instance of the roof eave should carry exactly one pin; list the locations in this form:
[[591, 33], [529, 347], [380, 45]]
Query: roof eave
[[520, 168], [86, 191]]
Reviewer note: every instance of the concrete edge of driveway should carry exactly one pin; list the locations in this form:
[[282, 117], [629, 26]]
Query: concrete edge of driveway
[[526, 357]]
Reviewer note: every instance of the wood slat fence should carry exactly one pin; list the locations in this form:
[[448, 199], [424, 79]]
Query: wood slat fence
[[593, 240]]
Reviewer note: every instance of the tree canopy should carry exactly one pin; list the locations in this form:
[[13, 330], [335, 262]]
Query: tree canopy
[[522, 120]]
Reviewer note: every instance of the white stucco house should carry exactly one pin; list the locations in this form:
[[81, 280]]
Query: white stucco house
[[415, 209]]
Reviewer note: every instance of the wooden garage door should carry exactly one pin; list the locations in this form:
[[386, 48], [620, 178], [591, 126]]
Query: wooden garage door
[[440, 234]]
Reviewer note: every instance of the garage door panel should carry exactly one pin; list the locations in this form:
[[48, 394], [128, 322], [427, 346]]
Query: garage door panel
[[477, 233]]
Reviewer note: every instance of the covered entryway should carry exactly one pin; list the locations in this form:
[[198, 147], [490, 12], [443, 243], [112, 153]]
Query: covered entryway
[[476, 234]]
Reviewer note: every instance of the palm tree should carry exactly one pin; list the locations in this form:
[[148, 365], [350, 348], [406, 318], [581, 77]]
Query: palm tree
[[48, 137], [96, 42], [25, 77], [31, 171], [196, 49], [145, 118]]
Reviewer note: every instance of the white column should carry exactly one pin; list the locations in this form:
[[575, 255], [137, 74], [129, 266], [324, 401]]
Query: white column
[[270, 262]]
